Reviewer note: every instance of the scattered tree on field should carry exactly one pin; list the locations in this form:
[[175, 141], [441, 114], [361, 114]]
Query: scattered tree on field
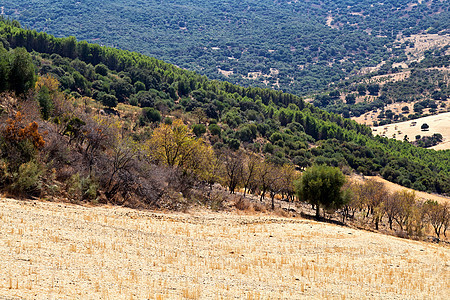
[[321, 185]]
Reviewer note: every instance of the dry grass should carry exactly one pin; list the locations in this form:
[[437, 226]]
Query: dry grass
[[51, 250], [438, 124], [393, 187]]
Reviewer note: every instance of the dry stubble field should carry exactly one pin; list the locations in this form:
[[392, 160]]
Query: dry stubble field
[[64, 251], [438, 124]]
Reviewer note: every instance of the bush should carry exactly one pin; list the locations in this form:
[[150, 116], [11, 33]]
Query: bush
[[139, 86], [27, 179], [168, 121], [82, 188], [101, 69], [199, 129], [214, 129], [45, 102], [109, 100], [149, 115], [234, 144]]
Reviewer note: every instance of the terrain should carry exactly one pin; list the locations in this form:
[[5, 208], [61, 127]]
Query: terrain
[[68, 251], [437, 124], [140, 93], [392, 188], [296, 46]]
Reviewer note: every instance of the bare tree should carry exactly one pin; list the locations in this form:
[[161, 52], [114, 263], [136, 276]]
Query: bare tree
[[249, 172], [438, 215], [392, 207], [374, 194], [263, 177], [233, 165], [121, 157], [275, 183], [406, 203]]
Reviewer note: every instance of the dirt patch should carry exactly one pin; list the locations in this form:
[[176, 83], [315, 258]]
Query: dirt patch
[[422, 43], [329, 22], [66, 251], [383, 79], [225, 73]]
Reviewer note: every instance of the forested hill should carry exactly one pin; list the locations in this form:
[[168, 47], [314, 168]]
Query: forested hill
[[295, 46], [147, 93]]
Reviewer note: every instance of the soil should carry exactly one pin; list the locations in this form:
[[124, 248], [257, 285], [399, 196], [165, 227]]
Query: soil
[[65, 251]]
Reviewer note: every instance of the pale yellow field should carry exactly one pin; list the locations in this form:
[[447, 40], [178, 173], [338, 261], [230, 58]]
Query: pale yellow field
[[63, 251], [438, 124]]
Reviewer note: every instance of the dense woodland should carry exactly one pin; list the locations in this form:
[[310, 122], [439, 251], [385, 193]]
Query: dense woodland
[[302, 46]]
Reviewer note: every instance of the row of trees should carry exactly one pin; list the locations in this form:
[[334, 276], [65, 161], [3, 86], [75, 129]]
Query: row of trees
[[399, 211], [175, 145], [369, 203]]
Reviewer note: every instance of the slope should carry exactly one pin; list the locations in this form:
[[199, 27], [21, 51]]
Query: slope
[[296, 46], [280, 126], [68, 251]]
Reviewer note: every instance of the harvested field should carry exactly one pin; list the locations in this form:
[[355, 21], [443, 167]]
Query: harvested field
[[438, 124], [64, 251]]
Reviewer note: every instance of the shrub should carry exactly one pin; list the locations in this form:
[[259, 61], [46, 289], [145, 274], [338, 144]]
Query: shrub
[[199, 129], [109, 100], [27, 179], [234, 144], [149, 115], [82, 188], [139, 86], [101, 69], [214, 129]]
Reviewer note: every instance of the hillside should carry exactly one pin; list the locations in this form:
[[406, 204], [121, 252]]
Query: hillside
[[295, 46], [393, 93], [141, 93], [392, 188], [69, 251]]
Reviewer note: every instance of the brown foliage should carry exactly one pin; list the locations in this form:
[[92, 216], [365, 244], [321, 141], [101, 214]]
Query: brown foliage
[[15, 131]]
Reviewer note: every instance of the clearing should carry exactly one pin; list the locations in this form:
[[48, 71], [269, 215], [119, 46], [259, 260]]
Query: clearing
[[438, 124], [65, 251]]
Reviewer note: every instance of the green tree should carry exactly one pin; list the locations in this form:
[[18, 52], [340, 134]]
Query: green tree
[[4, 69], [373, 89], [350, 99], [21, 75], [149, 115], [45, 102], [214, 129], [424, 127], [139, 86], [101, 69], [321, 185]]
